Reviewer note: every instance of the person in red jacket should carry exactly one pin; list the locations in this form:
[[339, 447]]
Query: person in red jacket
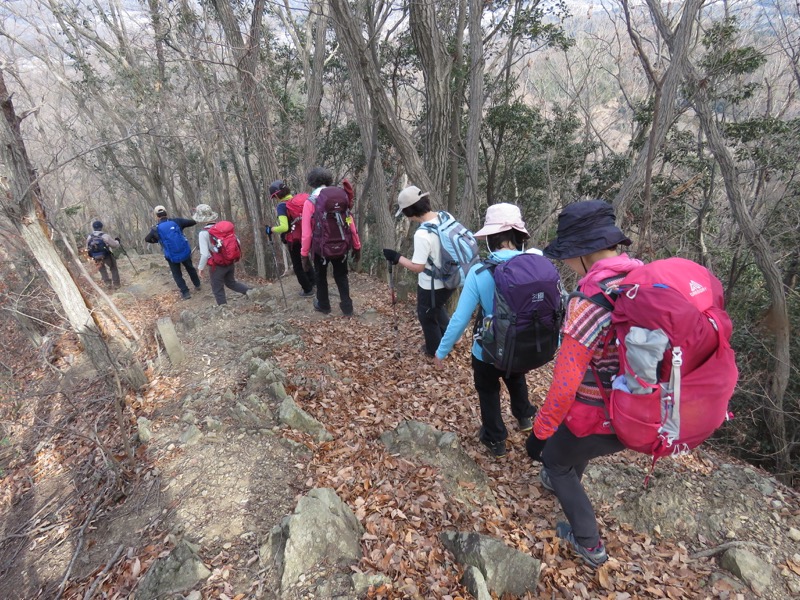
[[319, 178], [572, 427]]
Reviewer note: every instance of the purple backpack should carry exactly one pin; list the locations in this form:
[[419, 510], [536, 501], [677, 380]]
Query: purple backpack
[[331, 235], [522, 333]]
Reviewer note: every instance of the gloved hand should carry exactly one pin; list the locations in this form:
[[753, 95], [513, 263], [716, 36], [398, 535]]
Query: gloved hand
[[356, 254], [534, 447], [393, 256], [306, 263], [268, 231]]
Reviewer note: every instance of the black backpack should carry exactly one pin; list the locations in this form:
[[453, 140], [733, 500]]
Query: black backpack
[[96, 246]]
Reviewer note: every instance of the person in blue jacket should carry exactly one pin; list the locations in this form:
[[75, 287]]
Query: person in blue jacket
[[505, 235], [177, 250]]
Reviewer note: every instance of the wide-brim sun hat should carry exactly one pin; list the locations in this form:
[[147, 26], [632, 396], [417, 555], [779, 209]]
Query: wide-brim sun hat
[[203, 214], [408, 196], [502, 217], [160, 211], [583, 228]]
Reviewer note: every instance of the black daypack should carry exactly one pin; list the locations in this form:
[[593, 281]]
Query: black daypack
[[96, 246]]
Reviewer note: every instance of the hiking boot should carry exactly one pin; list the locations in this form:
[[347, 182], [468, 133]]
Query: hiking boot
[[594, 556], [498, 449], [525, 424], [197, 288], [186, 295], [544, 478], [307, 294], [318, 308]]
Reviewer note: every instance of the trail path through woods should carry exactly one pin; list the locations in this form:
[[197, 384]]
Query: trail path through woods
[[222, 477]]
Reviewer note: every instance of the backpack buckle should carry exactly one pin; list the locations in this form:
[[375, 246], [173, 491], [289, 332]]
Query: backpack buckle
[[677, 356]]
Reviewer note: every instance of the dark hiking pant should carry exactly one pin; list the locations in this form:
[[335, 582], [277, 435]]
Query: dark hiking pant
[[304, 278], [224, 277], [565, 457], [487, 383], [433, 316], [178, 276], [111, 262], [339, 276]]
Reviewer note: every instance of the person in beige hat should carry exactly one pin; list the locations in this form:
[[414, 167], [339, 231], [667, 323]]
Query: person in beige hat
[[416, 206], [221, 276], [505, 235], [177, 250]]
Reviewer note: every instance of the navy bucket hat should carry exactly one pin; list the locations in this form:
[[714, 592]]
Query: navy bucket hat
[[583, 228]]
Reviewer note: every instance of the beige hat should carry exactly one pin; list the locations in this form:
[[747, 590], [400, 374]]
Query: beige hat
[[410, 195], [204, 214], [502, 217], [160, 211]]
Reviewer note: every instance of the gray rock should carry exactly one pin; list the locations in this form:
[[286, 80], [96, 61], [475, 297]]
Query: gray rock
[[363, 581], [189, 417], [143, 429], [794, 533], [213, 424], [191, 436], [277, 390], [295, 417], [322, 528], [475, 583], [248, 417], [506, 571], [188, 320], [749, 568], [422, 442], [179, 571]]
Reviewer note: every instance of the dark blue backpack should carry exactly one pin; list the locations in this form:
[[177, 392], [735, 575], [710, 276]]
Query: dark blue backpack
[[176, 246], [523, 330], [96, 246]]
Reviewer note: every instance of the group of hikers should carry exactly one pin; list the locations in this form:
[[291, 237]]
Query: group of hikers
[[626, 344]]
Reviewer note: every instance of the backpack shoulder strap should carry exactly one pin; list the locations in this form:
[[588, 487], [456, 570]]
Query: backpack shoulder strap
[[488, 264]]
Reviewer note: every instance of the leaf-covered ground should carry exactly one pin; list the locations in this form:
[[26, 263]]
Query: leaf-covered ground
[[62, 514]]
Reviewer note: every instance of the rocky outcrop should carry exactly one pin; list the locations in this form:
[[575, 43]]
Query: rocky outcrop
[[181, 570], [504, 570], [315, 546], [295, 417], [424, 443]]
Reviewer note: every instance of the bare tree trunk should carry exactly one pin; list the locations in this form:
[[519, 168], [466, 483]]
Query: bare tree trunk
[[767, 262], [361, 63], [21, 201], [246, 56], [680, 43], [469, 201]]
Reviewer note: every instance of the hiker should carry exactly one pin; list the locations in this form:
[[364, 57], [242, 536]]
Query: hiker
[[416, 206], [572, 425], [177, 251], [505, 235], [328, 234], [290, 228], [210, 241], [99, 246]]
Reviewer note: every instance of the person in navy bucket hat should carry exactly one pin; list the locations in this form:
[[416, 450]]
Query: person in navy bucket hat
[[583, 228], [572, 426]]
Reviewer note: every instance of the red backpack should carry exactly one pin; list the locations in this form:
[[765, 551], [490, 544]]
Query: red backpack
[[224, 244], [294, 212], [331, 235], [677, 369]]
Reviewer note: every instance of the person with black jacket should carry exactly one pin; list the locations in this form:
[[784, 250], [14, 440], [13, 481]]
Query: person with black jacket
[[177, 251], [99, 245]]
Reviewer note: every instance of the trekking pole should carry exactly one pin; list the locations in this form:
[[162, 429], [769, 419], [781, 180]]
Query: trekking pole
[[394, 310], [277, 271], [135, 270]]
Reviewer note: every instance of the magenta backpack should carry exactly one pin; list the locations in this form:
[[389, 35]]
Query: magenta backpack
[[330, 223], [677, 369]]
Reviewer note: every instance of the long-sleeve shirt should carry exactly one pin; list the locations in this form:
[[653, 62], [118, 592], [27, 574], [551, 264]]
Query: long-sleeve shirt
[[110, 242], [283, 217], [204, 243], [583, 346], [478, 289], [308, 213]]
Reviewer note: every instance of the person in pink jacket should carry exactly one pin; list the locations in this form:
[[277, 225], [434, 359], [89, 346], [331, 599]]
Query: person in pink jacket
[[318, 179]]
